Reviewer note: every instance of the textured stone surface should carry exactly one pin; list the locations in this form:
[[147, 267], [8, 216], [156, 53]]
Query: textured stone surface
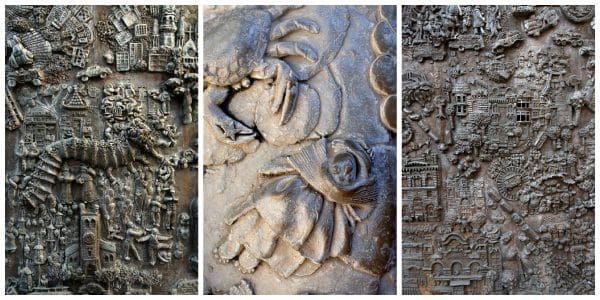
[[498, 150], [101, 150], [299, 150]]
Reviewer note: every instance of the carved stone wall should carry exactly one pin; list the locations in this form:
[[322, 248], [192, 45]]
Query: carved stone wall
[[299, 150], [101, 149], [498, 149]]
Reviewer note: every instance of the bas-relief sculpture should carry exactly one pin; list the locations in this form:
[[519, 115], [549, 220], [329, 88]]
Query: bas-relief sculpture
[[498, 150], [101, 140], [299, 150]]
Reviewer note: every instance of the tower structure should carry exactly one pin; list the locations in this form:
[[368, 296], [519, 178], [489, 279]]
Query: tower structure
[[167, 26]]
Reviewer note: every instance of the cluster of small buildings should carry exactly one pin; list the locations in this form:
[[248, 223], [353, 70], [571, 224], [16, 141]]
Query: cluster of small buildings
[[148, 40], [75, 31]]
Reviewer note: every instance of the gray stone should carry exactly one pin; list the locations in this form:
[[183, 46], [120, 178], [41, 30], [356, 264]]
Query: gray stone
[[498, 150], [101, 161], [299, 148]]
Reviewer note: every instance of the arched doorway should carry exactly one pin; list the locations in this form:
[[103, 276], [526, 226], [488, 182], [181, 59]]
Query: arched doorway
[[456, 268]]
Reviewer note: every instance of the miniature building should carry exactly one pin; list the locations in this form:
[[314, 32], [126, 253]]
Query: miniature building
[[462, 266], [124, 17], [460, 92], [79, 57], [58, 16], [76, 117], [464, 197], [167, 26], [72, 255], [130, 15], [155, 34], [108, 252], [115, 17], [141, 30], [420, 201], [89, 248], [84, 14], [154, 10], [523, 112], [83, 34], [136, 52], [180, 31], [41, 122], [123, 37], [122, 61], [157, 62], [190, 54], [412, 265], [94, 253]]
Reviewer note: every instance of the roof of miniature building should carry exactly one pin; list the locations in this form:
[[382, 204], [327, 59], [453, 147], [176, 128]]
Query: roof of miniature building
[[425, 160], [108, 246], [181, 26], [189, 45], [461, 87], [525, 92], [168, 9], [75, 102], [480, 92], [72, 249], [41, 111], [451, 237]]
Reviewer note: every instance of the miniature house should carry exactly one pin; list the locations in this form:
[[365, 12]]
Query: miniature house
[[89, 249], [167, 26], [420, 201], [41, 123], [460, 92]]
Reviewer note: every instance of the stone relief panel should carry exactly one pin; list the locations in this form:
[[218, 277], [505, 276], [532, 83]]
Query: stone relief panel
[[299, 150], [498, 149], [101, 149]]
